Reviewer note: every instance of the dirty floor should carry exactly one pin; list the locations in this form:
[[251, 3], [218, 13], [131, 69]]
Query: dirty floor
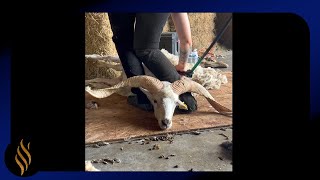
[[200, 150]]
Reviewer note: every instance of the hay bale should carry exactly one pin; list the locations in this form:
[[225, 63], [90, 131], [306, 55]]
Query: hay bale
[[202, 29], [98, 35], [166, 27], [90, 69]]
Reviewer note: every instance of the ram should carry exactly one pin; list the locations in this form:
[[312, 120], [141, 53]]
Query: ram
[[163, 95]]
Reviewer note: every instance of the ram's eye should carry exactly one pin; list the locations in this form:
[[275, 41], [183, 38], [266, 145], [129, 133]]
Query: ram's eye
[[155, 101]]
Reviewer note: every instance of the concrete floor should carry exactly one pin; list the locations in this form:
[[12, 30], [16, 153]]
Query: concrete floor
[[190, 152], [201, 152], [226, 59]]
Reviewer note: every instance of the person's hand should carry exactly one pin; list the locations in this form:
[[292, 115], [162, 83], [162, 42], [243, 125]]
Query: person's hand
[[181, 67]]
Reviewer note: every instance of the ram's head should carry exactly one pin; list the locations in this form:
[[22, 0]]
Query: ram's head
[[163, 95]]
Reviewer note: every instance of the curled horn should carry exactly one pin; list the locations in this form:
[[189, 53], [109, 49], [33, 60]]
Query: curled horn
[[186, 85], [152, 84]]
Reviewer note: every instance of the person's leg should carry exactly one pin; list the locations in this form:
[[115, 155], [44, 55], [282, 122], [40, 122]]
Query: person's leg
[[148, 29], [147, 35], [122, 25]]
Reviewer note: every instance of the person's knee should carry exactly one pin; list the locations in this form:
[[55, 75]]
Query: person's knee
[[150, 56], [158, 64]]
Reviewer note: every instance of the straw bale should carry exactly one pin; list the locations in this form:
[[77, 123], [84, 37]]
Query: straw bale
[[98, 34]]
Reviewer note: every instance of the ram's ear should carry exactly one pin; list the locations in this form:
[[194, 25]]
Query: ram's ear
[[182, 105]]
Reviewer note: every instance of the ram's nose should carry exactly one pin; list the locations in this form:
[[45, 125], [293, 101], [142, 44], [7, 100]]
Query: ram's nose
[[165, 122]]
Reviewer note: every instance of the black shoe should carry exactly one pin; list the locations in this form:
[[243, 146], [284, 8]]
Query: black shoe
[[190, 101], [133, 100]]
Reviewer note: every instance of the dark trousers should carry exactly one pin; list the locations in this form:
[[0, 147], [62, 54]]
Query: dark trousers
[[136, 37]]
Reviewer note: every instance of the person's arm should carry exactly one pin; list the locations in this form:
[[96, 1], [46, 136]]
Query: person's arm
[[182, 25]]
